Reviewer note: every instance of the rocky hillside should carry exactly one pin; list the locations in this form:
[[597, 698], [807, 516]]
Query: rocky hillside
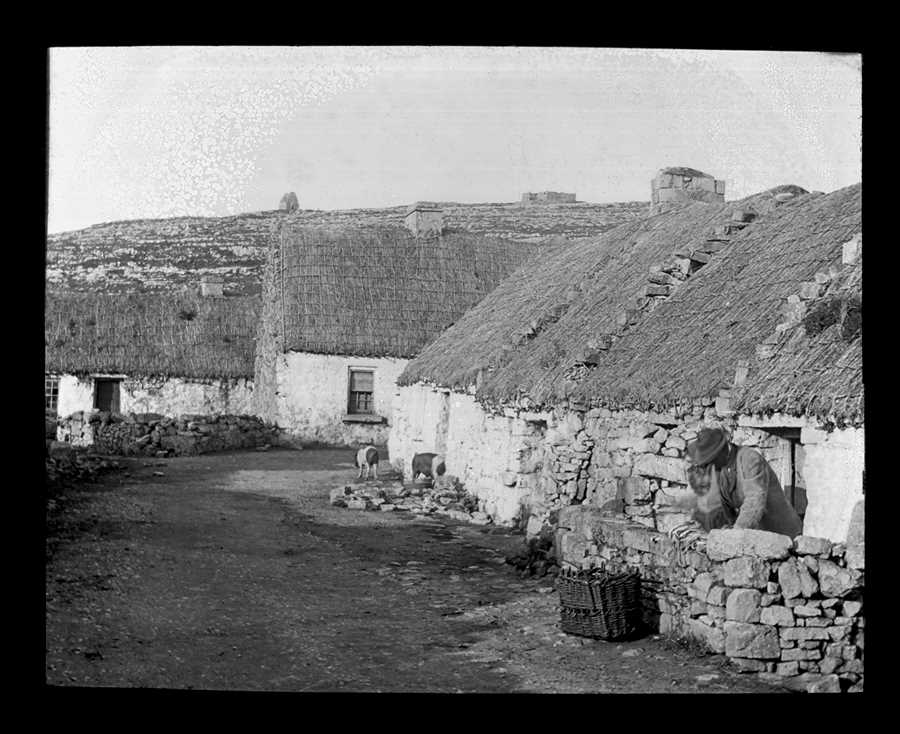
[[171, 254]]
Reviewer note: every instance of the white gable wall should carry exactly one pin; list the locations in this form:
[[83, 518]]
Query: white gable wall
[[168, 396], [312, 392], [483, 450]]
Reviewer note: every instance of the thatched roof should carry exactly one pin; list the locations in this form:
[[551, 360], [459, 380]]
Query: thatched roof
[[817, 367], [524, 338], [178, 335], [380, 291], [166, 255]]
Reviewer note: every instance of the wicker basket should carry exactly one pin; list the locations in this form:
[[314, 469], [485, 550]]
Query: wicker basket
[[575, 590], [614, 611]]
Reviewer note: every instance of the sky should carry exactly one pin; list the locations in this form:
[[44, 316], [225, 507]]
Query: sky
[[148, 132]]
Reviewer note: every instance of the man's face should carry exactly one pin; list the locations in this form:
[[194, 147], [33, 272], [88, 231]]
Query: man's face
[[698, 478]]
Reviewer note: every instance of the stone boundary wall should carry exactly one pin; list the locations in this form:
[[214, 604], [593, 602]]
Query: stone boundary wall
[[631, 461], [790, 611], [548, 197], [153, 434], [64, 464]]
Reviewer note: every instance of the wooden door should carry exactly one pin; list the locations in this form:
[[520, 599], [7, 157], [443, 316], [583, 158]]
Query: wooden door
[[106, 395]]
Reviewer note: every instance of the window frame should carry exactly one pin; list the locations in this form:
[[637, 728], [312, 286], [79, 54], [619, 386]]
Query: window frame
[[51, 392], [352, 404]]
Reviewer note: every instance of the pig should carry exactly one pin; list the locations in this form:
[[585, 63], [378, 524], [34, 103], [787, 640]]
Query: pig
[[429, 465], [367, 459]]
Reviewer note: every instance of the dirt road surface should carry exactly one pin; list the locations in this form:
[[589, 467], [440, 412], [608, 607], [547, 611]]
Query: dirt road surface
[[233, 572]]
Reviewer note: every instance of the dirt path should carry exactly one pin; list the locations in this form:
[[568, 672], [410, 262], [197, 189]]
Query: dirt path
[[233, 572]]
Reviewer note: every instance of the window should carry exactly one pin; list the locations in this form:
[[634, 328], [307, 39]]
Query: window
[[51, 393], [106, 395], [361, 392]]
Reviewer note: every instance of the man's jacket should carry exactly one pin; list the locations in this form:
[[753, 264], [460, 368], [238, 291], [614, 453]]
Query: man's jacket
[[751, 496]]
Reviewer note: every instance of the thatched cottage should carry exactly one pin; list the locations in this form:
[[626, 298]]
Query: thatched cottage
[[581, 378], [345, 309], [169, 354]]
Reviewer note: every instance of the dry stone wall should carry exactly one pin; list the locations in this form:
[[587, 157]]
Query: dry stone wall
[[628, 461], [525, 466], [791, 611], [153, 434]]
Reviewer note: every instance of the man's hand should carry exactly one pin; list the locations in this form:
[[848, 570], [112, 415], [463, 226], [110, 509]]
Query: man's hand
[[687, 532]]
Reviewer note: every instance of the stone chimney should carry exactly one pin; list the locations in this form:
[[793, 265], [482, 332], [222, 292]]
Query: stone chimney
[[211, 286], [679, 185], [424, 218]]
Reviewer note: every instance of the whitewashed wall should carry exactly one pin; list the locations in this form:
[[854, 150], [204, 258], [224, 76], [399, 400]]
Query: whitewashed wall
[[175, 396], [312, 392], [833, 470], [168, 396], [483, 450], [418, 424], [75, 393]]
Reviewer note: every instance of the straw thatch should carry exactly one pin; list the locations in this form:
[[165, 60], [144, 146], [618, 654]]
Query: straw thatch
[[380, 291], [175, 335], [525, 337], [817, 367]]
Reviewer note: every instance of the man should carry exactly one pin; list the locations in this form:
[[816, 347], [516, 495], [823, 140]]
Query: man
[[743, 491]]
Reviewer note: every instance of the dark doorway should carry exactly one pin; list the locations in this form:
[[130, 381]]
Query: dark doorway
[[106, 395], [794, 458]]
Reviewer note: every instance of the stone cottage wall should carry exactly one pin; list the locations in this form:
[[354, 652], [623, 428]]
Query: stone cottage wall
[[526, 466], [174, 396], [312, 392], [833, 470], [488, 452], [418, 424], [166, 395], [792, 610], [152, 434]]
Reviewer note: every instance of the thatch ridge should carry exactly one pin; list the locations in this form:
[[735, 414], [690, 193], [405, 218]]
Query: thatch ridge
[[687, 348], [175, 335], [380, 291]]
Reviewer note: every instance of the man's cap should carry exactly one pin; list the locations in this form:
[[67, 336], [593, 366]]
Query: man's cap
[[709, 442]]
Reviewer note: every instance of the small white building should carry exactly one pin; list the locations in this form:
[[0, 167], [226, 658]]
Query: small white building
[[344, 309], [170, 354]]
